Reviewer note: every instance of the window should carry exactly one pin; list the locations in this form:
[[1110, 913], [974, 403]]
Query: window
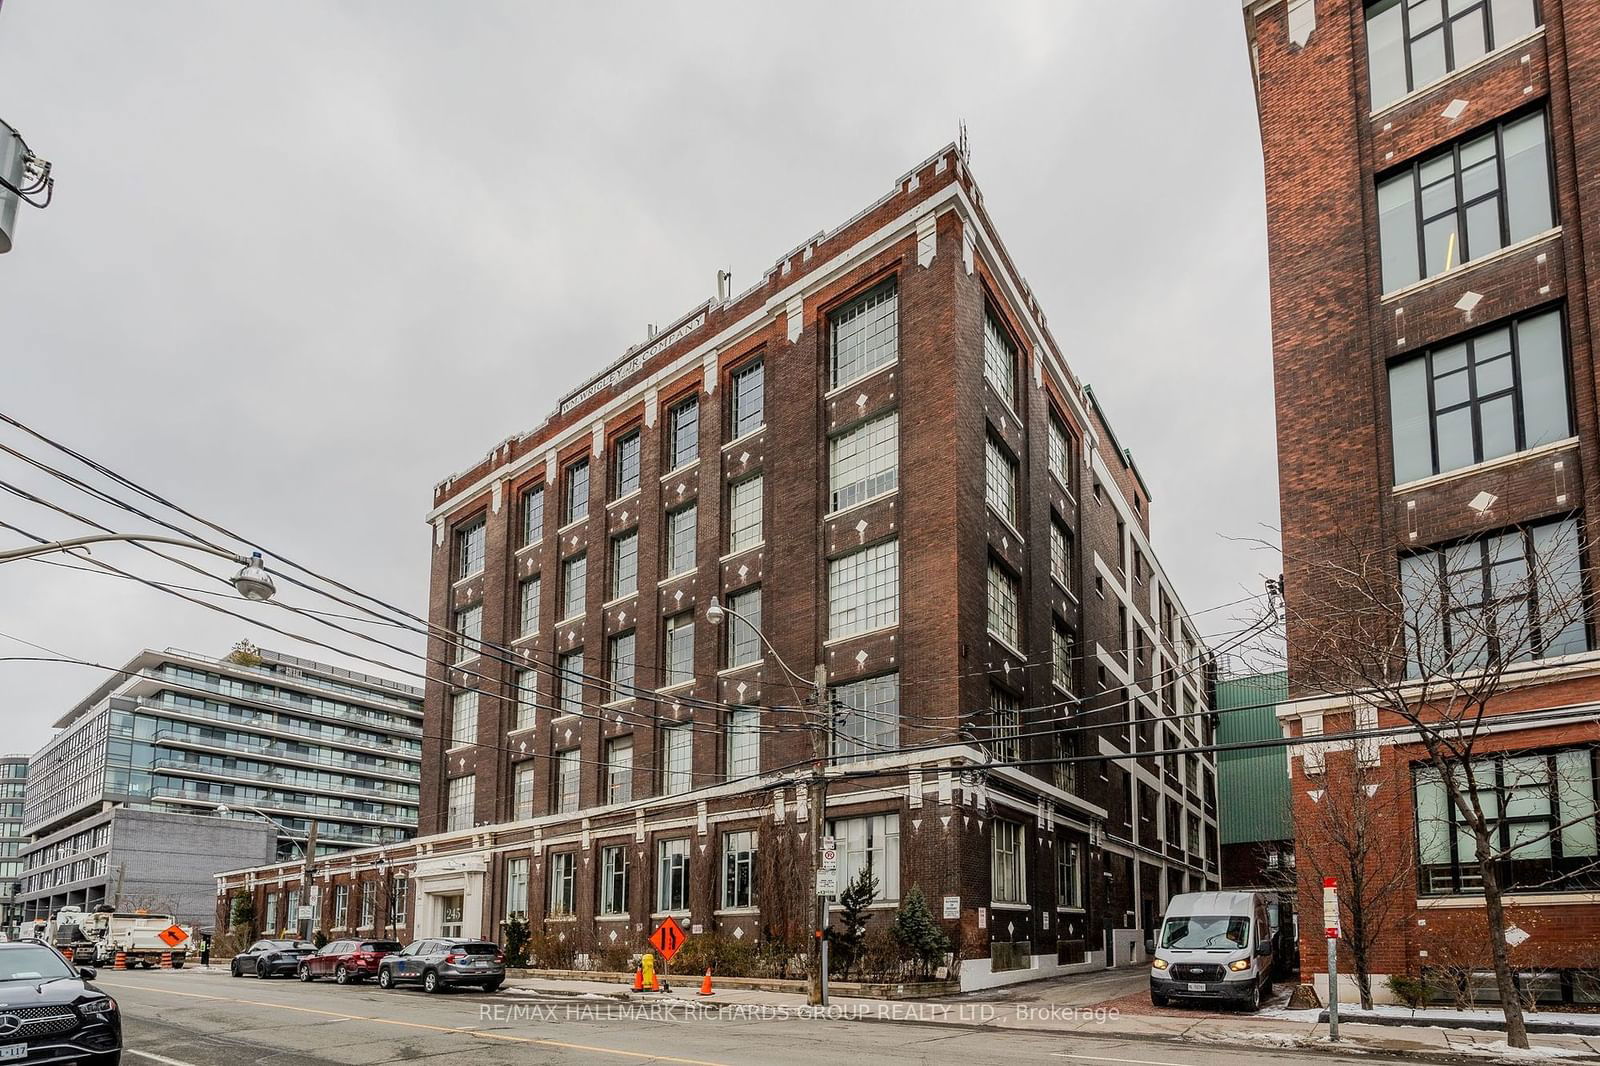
[[619, 769], [567, 781], [681, 540], [677, 753], [864, 590], [369, 906], [527, 683], [398, 898], [679, 650], [524, 791], [744, 742], [1006, 729], [469, 548], [469, 632], [625, 565], [672, 875], [1069, 874], [747, 403], [341, 906], [1060, 552], [516, 887], [459, 803], [744, 624], [620, 665], [1412, 43], [1061, 655], [683, 433], [865, 335], [1454, 207], [864, 462], [1503, 597], [1004, 594], [869, 721], [1007, 859], [1000, 481], [1060, 454], [574, 582], [577, 486], [871, 843], [744, 514], [569, 681], [528, 606], [563, 895], [533, 514], [739, 869], [999, 360], [1064, 772], [626, 458], [1500, 391], [614, 880], [464, 717], [272, 912], [1542, 822]]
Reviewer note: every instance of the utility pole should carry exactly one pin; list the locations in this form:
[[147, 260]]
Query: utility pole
[[822, 741], [308, 858]]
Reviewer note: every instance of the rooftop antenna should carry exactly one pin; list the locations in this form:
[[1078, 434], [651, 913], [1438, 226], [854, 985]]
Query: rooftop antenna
[[965, 153]]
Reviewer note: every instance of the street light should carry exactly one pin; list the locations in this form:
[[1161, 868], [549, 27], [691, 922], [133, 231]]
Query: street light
[[306, 852], [716, 613], [252, 581]]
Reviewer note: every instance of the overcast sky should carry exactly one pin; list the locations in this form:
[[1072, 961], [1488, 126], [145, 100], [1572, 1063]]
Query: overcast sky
[[306, 259]]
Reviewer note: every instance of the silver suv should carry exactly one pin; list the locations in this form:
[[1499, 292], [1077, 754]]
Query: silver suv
[[441, 962]]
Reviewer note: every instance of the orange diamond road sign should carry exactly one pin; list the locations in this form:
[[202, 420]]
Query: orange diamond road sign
[[668, 938], [172, 936]]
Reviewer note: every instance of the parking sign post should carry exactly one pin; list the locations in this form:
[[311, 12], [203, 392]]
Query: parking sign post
[[1330, 927]]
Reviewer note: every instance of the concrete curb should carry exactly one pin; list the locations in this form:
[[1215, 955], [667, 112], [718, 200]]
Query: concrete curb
[[1531, 1022]]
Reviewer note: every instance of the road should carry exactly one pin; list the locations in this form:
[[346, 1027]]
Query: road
[[209, 1019]]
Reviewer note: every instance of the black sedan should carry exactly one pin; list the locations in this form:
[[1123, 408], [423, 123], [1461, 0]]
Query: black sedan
[[271, 958], [49, 1012]]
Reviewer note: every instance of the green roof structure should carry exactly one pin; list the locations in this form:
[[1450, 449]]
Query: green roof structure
[[1252, 783]]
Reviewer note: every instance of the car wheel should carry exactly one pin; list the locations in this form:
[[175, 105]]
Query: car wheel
[[1254, 1002], [341, 975], [430, 982], [493, 986], [386, 978], [262, 970], [304, 972], [234, 967], [1157, 999]]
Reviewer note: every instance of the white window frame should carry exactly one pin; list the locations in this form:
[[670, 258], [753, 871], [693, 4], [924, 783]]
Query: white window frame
[[1008, 866], [864, 462], [672, 876], [743, 742], [864, 590], [746, 499]]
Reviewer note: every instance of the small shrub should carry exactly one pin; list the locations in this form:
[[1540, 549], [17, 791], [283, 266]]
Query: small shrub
[[320, 938], [617, 958], [726, 955], [551, 949], [1412, 991], [854, 902], [515, 931], [883, 957]]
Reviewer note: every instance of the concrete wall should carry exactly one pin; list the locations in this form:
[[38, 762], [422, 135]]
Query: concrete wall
[[167, 861]]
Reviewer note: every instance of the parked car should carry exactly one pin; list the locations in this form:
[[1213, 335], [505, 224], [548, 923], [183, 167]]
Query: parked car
[[1213, 946], [271, 958], [50, 1012], [443, 962], [347, 960]]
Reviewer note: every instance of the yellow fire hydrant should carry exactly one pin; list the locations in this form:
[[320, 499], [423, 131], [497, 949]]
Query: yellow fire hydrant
[[649, 965]]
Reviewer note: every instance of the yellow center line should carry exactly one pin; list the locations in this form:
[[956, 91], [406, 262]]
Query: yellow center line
[[649, 1056]]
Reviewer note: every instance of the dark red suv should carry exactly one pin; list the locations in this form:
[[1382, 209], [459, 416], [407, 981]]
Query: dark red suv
[[347, 960]]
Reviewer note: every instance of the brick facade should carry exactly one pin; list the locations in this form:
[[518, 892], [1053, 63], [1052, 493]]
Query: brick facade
[[931, 239], [1336, 333]]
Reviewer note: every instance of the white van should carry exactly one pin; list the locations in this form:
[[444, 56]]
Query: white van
[[1213, 945]]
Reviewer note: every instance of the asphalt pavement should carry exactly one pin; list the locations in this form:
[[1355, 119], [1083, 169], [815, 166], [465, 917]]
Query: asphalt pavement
[[189, 1018]]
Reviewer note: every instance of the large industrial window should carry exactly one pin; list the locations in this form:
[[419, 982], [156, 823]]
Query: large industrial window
[[577, 484], [677, 755], [744, 626], [619, 769], [672, 875], [528, 606], [1460, 204], [469, 548], [625, 565], [1499, 391], [469, 632], [563, 884], [999, 360], [739, 869], [744, 514], [614, 880], [678, 662], [743, 742], [567, 781], [747, 408], [517, 887], [1005, 728], [626, 457], [865, 334], [869, 717], [1060, 452], [524, 781], [1000, 481], [1005, 593], [864, 462], [870, 843], [569, 682], [1069, 874], [864, 590], [681, 533], [533, 514], [459, 803], [683, 433], [1008, 875], [464, 717], [1413, 43], [620, 663]]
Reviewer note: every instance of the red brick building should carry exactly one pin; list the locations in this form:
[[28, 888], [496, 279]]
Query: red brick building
[[877, 459], [1429, 176]]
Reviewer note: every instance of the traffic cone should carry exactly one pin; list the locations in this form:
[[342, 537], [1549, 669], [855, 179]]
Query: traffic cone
[[705, 985], [166, 960], [122, 961], [67, 954], [638, 978]]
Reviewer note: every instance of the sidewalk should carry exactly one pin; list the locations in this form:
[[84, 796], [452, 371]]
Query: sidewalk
[[1067, 1007]]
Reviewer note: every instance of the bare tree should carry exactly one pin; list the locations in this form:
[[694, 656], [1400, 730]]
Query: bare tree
[[1428, 644]]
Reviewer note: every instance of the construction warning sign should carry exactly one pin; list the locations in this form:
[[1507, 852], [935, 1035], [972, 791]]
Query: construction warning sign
[[668, 938], [172, 936]]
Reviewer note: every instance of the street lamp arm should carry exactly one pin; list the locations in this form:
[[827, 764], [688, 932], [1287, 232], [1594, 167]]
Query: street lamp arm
[[724, 608], [32, 550]]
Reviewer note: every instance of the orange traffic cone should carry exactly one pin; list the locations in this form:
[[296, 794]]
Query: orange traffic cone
[[705, 985], [122, 961], [638, 978], [67, 954]]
